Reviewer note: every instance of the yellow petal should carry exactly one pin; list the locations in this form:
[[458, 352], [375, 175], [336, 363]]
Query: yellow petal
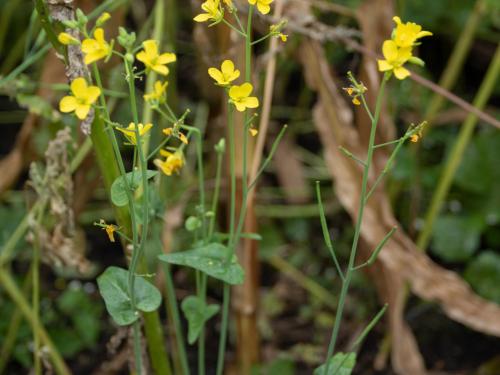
[[166, 58], [251, 102], [240, 107], [78, 86], [151, 48], [141, 56], [397, 20], [67, 104], [217, 75], [390, 50], [227, 67], [82, 110], [264, 9], [99, 35], [401, 73], [93, 93], [160, 69], [203, 17], [383, 65], [423, 33]]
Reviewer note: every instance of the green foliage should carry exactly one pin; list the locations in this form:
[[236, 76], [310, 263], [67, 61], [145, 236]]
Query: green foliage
[[483, 273], [340, 364], [210, 259], [456, 238], [113, 285], [197, 312], [118, 188]]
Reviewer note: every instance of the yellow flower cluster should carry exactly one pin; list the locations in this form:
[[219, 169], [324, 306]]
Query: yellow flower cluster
[[398, 50], [130, 131], [214, 12], [239, 95]]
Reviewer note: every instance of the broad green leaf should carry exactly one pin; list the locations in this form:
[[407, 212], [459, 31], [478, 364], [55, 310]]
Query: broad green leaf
[[340, 364], [118, 188], [197, 312], [210, 259], [113, 285], [456, 238], [483, 273]]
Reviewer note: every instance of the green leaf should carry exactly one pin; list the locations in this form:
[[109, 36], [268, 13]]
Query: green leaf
[[113, 285], [118, 188], [197, 312], [456, 238], [340, 364], [483, 273], [210, 259]]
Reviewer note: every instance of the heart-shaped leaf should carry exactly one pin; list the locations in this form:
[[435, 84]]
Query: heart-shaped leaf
[[340, 364], [119, 188], [210, 259], [197, 312], [113, 285]]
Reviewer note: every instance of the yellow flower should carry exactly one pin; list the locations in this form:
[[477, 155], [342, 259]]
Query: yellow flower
[[262, 5], [212, 12], [177, 134], [173, 162], [275, 30], [395, 57], [240, 97], [158, 93], [153, 60], [253, 131], [406, 34], [355, 91], [130, 131], [226, 75], [97, 48], [110, 229], [81, 100], [414, 138], [67, 39]]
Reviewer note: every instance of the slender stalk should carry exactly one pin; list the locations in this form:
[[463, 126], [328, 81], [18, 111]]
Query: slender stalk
[[138, 250], [457, 152], [174, 311], [232, 219], [9, 285], [37, 362], [352, 257], [215, 198]]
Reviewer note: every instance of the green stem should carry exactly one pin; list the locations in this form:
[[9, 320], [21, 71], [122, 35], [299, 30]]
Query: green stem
[[14, 324], [137, 250], [215, 198], [232, 219], [147, 113], [456, 154], [9, 285], [357, 232], [173, 308], [37, 362]]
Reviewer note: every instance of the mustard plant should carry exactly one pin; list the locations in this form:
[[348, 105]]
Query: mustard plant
[[397, 51]]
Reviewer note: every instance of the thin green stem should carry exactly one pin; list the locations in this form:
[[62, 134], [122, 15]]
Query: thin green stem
[[377, 250], [174, 311], [37, 361], [233, 28], [357, 232], [215, 198], [137, 251], [223, 329]]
